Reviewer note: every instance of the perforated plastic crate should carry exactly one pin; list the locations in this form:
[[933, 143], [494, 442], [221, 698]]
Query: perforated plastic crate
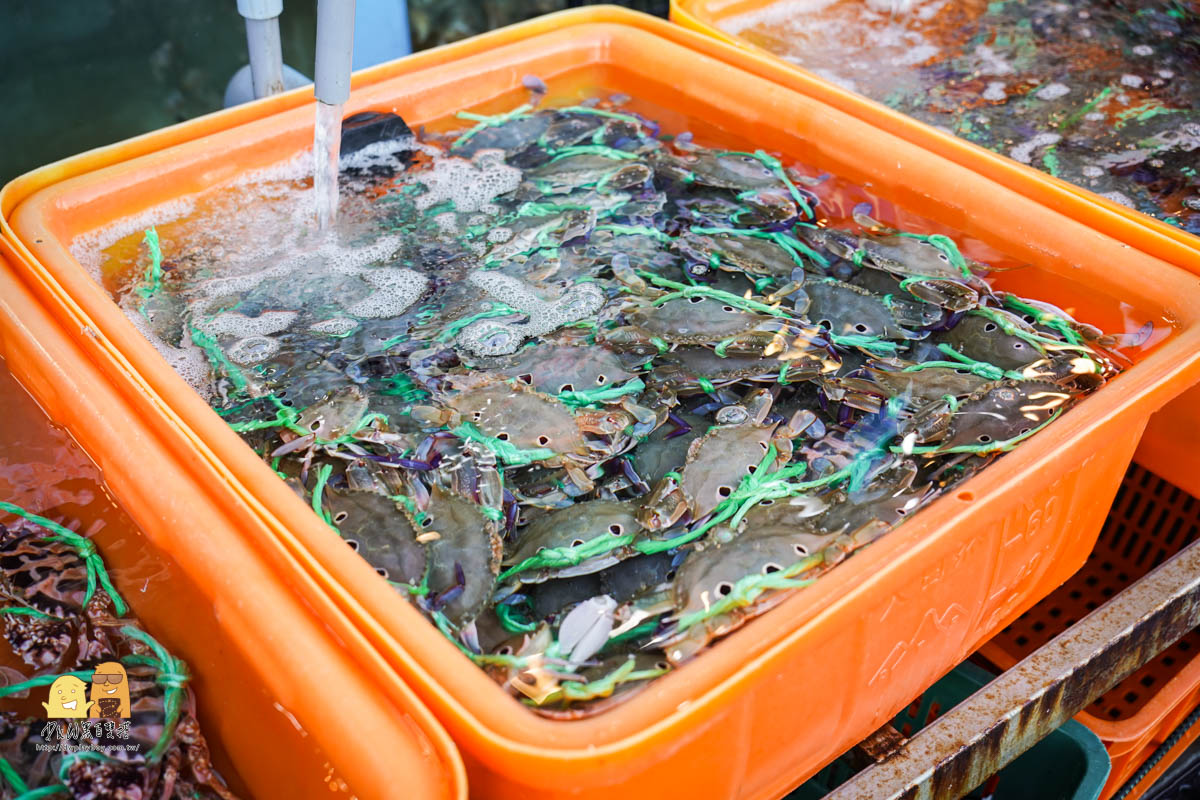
[[1151, 519]]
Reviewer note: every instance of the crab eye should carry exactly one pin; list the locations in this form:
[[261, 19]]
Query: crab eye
[[988, 327], [576, 542], [315, 425], [425, 523], [1018, 345], [769, 568], [984, 438], [767, 502], [527, 378], [341, 516], [800, 549], [477, 415], [542, 440], [944, 257], [506, 650], [661, 665], [601, 379], [724, 491], [567, 387], [861, 328], [696, 299], [353, 544], [824, 323], [728, 309], [724, 588], [764, 446], [381, 572], [502, 436], [616, 529]]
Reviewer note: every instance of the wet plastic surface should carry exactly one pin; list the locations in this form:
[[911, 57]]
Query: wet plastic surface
[[285, 711], [865, 639]]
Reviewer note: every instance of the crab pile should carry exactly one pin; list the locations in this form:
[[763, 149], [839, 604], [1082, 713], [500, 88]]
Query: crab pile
[[596, 396], [61, 615]]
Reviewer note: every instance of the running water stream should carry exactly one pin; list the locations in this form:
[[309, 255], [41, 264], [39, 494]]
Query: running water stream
[[327, 144]]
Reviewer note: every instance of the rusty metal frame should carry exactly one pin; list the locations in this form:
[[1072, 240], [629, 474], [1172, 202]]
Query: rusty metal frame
[[961, 749]]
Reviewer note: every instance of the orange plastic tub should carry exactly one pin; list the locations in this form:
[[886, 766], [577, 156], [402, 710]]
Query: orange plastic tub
[[285, 711], [1138, 229], [1151, 520], [772, 703]]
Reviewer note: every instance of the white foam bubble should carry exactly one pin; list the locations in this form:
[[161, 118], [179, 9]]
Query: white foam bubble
[[252, 350], [995, 92], [1053, 91], [88, 248], [469, 185], [498, 336], [188, 361], [338, 326], [395, 290], [1024, 151], [241, 326]]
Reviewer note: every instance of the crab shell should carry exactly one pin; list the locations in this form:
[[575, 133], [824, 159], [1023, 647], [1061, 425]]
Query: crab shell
[[709, 574], [466, 546], [375, 528], [575, 525]]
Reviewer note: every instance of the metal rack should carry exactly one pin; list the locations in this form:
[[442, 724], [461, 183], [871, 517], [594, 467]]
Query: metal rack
[[961, 749]]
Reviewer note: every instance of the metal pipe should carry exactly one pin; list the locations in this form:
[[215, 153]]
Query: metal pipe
[[335, 50], [959, 750], [262, 40]]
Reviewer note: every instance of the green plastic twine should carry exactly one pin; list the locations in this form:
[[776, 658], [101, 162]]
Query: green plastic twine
[[507, 616], [83, 546], [750, 588], [603, 394], [1050, 320], [1002, 446], [773, 164], [946, 245], [41, 680], [794, 247], [683, 290], [759, 485], [22, 790], [983, 369], [485, 122], [318, 494], [603, 687], [600, 112], [569, 556], [507, 452], [172, 676], [26, 612], [872, 344], [152, 280], [219, 360], [636, 230], [592, 150], [497, 310]]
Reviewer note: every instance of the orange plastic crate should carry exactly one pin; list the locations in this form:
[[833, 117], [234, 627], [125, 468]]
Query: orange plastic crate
[[1151, 519]]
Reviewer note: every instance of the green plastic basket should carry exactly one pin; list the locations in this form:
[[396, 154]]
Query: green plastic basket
[[1069, 764]]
